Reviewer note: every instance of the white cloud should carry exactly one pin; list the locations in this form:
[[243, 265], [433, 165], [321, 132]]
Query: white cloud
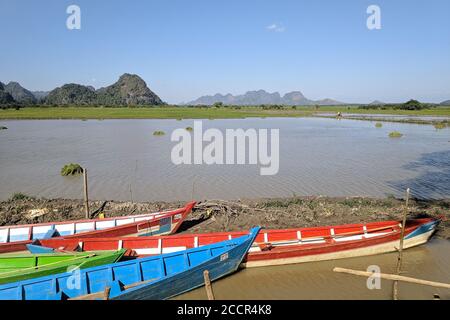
[[275, 27]]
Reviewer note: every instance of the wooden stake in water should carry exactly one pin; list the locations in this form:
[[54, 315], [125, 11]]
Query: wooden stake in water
[[394, 277], [106, 293], [400, 249], [86, 199], [208, 286]]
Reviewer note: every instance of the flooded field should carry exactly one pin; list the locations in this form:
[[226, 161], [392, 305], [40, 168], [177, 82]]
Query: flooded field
[[387, 116], [316, 280], [318, 156]]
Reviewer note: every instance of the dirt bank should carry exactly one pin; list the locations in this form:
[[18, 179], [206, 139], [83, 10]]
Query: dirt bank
[[219, 215]]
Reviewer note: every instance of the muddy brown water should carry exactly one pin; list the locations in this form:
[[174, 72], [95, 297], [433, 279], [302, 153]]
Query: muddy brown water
[[316, 280], [318, 156]]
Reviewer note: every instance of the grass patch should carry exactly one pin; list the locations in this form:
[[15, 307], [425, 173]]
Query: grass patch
[[189, 129], [183, 112], [20, 196], [282, 203], [395, 134], [71, 169], [159, 133], [440, 125], [356, 202], [378, 125]]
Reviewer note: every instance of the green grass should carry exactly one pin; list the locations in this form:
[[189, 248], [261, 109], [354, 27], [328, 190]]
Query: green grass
[[20, 196], [71, 169], [395, 134], [189, 129], [83, 113], [378, 125], [440, 125], [159, 133]]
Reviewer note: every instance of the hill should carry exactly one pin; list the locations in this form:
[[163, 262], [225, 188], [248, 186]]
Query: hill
[[130, 89], [261, 97], [20, 94]]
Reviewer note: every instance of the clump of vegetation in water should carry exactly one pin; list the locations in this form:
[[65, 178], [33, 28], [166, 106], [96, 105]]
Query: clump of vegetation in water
[[159, 133], [3, 128], [440, 125], [71, 169], [189, 129], [378, 125], [20, 196], [395, 134]]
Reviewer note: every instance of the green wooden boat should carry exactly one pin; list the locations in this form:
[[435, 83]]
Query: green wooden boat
[[17, 267]]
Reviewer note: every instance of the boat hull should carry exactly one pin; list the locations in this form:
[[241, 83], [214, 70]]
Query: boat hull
[[277, 247], [137, 278], [218, 267], [15, 238], [24, 267], [370, 247]]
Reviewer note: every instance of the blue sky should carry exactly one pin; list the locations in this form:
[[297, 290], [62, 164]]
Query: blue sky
[[187, 48]]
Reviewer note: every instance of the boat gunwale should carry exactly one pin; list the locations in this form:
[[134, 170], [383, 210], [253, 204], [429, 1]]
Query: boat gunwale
[[160, 214]]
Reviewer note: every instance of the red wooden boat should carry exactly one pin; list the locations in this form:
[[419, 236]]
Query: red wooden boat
[[15, 238], [275, 247]]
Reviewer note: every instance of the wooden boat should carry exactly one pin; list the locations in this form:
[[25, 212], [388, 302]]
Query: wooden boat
[[17, 267], [155, 277], [277, 247], [15, 238]]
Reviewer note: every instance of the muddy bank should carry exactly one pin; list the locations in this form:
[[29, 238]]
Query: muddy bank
[[219, 215]]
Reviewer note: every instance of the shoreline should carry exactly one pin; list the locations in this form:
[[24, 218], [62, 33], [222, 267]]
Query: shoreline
[[186, 113], [445, 121], [234, 215]]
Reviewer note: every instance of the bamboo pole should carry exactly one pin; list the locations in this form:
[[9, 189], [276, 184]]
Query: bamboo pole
[[393, 277], [400, 249], [209, 291], [86, 198]]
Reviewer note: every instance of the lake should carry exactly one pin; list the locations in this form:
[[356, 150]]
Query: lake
[[318, 156]]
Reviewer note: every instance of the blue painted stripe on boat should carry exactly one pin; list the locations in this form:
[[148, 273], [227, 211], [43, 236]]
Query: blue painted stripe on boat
[[18, 237], [424, 228], [35, 249]]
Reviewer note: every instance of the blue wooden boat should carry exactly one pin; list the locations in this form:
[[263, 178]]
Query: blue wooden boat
[[156, 277]]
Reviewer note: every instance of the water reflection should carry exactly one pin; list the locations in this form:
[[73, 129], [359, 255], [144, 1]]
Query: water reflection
[[434, 177]]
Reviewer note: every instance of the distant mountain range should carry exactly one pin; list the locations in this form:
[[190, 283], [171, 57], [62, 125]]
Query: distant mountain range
[[262, 97], [377, 103], [130, 89]]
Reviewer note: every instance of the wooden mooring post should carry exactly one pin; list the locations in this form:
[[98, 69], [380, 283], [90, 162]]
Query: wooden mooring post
[[86, 198], [106, 293], [400, 249], [208, 287]]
